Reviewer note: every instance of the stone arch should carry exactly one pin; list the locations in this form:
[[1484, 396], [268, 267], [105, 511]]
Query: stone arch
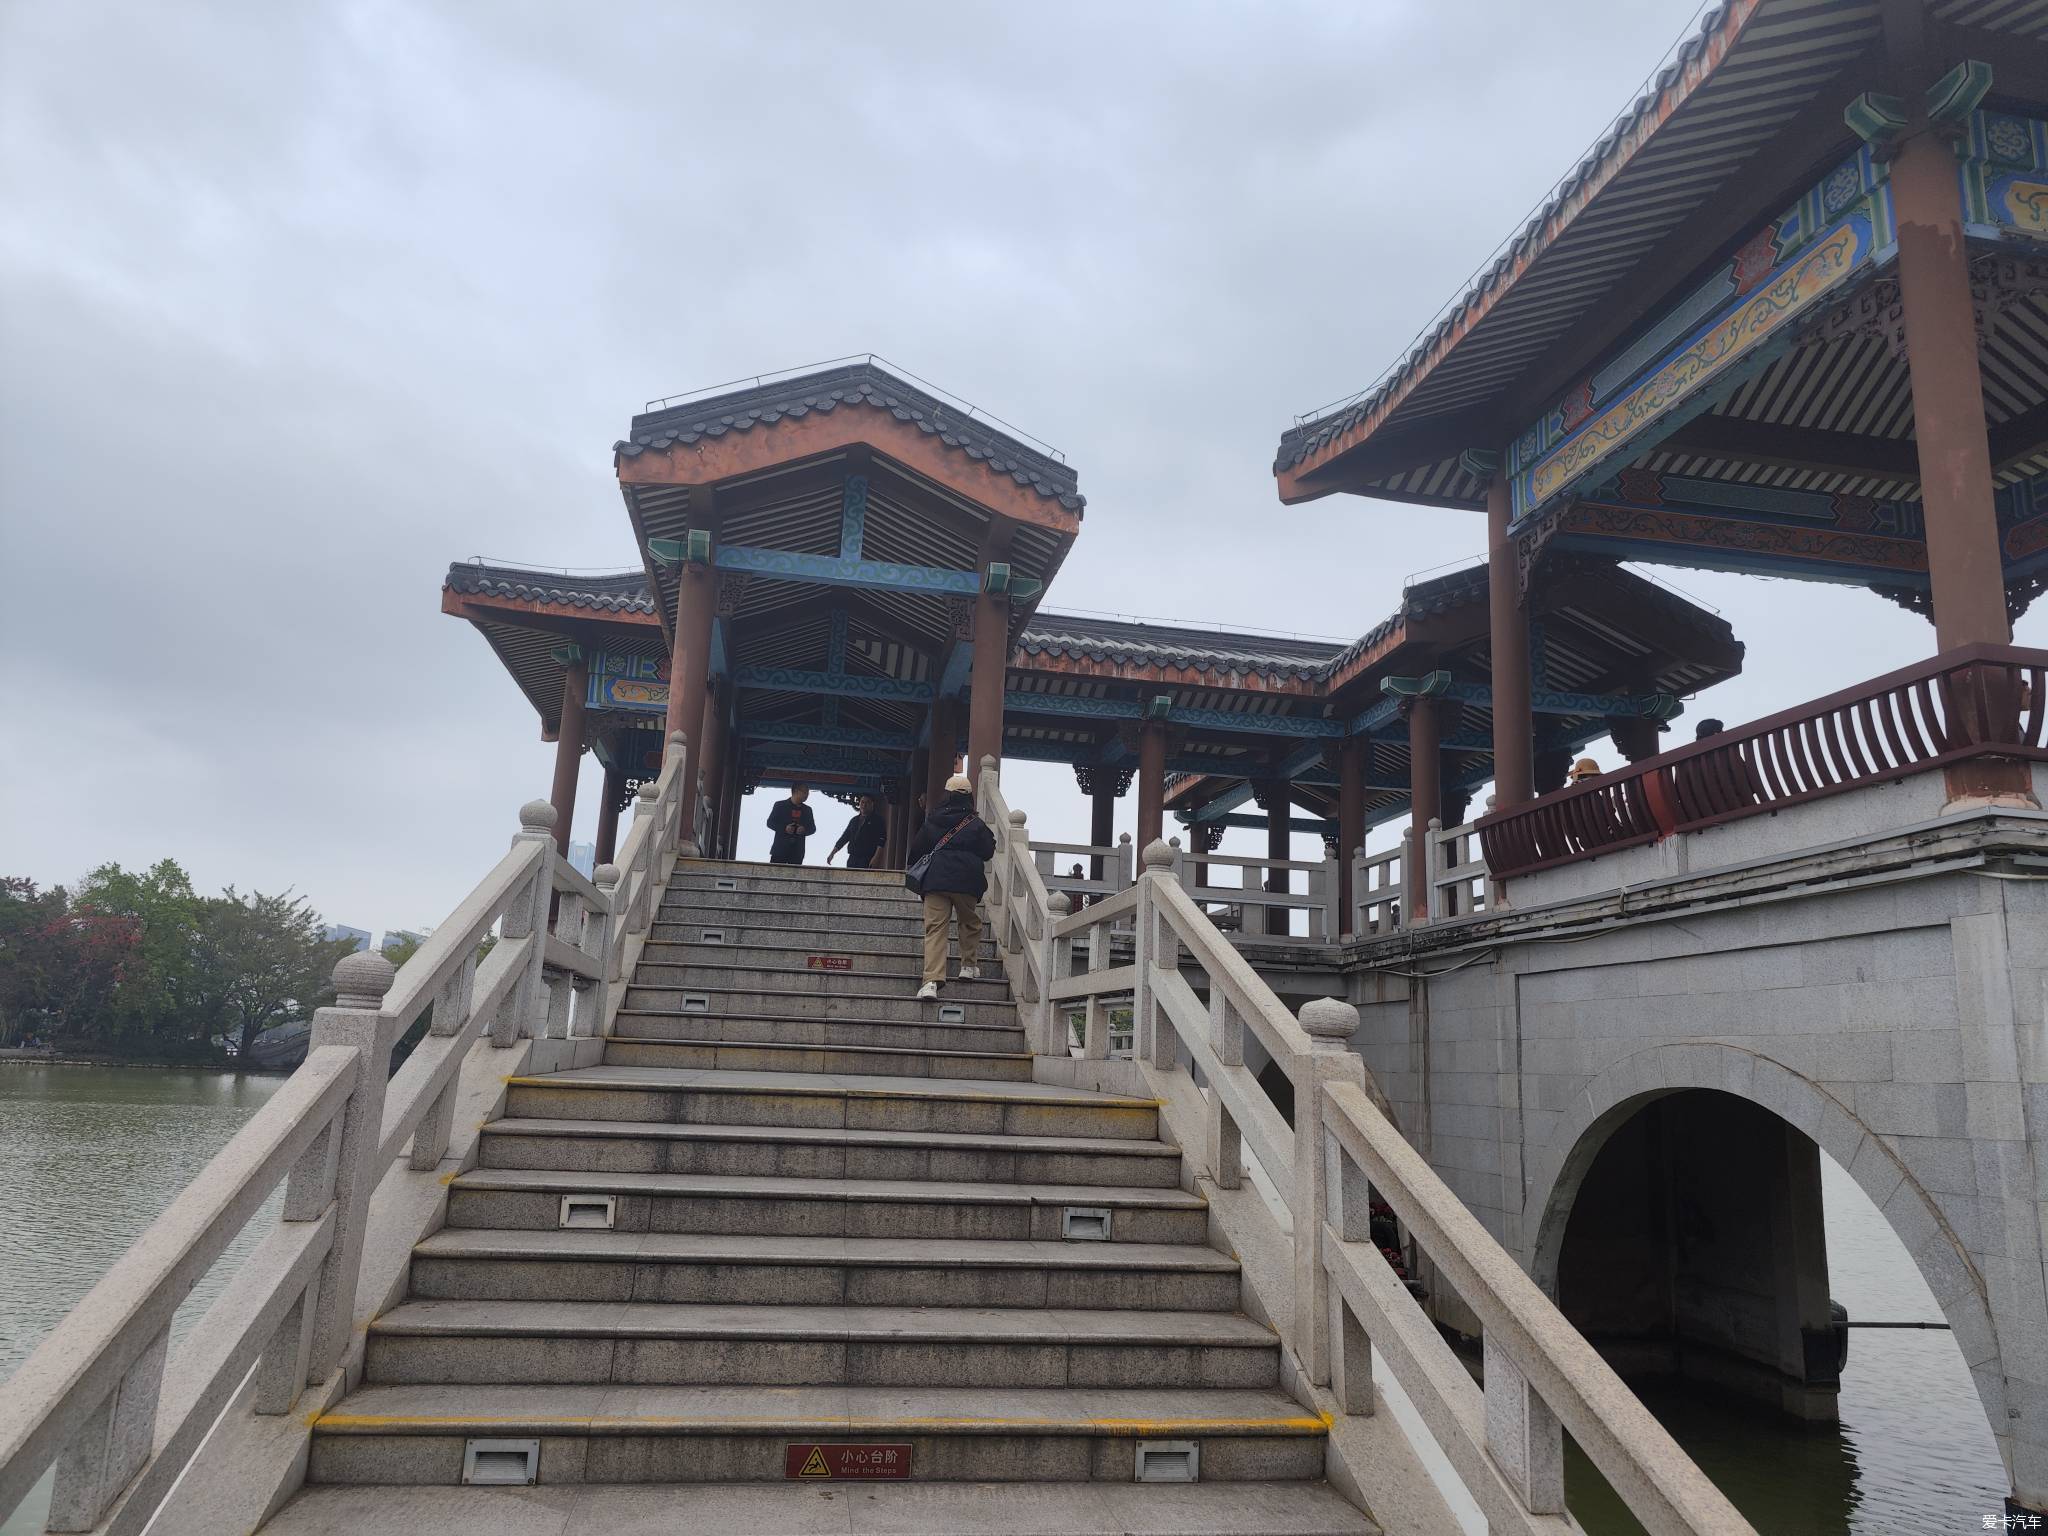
[[1557, 1169]]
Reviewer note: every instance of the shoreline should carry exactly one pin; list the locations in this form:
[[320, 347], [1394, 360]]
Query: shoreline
[[11, 1056]]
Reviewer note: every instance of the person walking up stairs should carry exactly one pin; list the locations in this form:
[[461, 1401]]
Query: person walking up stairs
[[948, 866], [797, 1257]]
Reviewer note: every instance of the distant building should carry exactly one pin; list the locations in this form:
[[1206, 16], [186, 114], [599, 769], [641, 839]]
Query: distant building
[[393, 937], [334, 933], [583, 858]]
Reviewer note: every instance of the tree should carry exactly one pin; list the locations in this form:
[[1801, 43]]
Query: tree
[[154, 1000], [263, 958]]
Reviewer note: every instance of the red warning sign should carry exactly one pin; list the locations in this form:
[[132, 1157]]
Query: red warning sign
[[815, 1462], [829, 962]]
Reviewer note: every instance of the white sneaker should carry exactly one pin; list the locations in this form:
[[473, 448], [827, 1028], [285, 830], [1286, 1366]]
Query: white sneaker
[[928, 993], [970, 972]]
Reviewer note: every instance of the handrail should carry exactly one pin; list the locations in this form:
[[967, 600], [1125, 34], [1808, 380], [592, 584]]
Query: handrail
[[1504, 1440], [104, 1397], [1973, 701]]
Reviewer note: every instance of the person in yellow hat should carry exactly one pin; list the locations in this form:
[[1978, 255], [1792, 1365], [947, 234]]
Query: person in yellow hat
[[1585, 768], [948, 866]]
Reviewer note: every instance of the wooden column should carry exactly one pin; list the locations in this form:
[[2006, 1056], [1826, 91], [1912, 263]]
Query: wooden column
[[1101, 818], [985, 683], [608, 811], [689, 677], [914, 789], [945, 748], [1352, 760], [1949, 432], [1279, 844], [712, 728], [1425, 788], [1514, 723], [569, 748], [1151, 786]]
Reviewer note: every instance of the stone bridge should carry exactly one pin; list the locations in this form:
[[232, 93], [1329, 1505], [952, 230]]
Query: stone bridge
[[1630, 1066]]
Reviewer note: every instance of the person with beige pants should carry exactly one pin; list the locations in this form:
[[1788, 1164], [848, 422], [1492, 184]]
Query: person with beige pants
[[956, 846]]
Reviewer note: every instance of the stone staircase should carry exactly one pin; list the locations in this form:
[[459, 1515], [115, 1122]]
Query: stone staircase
[[795, 1206]]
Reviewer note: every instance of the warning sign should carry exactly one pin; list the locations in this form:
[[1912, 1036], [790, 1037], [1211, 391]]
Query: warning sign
[[821, 1463], [829, 962]]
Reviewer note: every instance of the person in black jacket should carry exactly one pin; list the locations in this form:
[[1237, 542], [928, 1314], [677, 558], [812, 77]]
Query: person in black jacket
[[864, 835], [791, 821], [960, 845]]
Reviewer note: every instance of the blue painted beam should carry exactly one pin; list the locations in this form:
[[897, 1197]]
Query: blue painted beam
[[1316, 824], [823, 735], [718, 648], [835, 761], [838, 571], [853, 517], [1018, 701], [796, 680], [959, 667]]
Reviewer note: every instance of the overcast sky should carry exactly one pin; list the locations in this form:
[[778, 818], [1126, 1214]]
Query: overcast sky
[[300, 302]]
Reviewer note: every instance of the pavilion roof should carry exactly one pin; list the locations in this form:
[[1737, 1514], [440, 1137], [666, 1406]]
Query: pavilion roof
[[861, 384], [1176, 646], [1744, 114]]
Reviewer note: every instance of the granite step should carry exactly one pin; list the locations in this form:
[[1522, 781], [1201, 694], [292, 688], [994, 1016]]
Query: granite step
[[768, 1056], [678, 942], [661, 1024], [899, 1004], [608, 1434], [825, 1152], [914, 1508], [828, 909], [472, 1265], [709, 968], [675, 1343], [764, 1205], [856, 1101]]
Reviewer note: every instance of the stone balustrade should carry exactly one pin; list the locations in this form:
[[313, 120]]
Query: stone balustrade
[[106, 1398], [1337, 1300]]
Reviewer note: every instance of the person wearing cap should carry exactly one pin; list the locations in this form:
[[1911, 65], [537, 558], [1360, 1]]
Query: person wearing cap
[[1585, 768], [960, 845]]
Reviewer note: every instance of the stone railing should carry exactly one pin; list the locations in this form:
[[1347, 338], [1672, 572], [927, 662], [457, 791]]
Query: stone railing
[[1379, 889], [1342, 1298], [106, 1397], [1118, 859], [1248, 902], [1973, 703]]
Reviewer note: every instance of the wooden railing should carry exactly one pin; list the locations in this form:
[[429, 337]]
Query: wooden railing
[[1504, 1440], [106, 1397], [1973, 702]]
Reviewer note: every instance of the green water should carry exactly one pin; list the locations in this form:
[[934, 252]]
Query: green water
[[89, 1155]]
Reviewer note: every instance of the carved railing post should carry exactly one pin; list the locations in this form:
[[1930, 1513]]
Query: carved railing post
[[594, 997], [523, 1014], [1059, 964], [1330, 1024], [646, 806], [672, 823], [342, 1165], [1152, 1035]]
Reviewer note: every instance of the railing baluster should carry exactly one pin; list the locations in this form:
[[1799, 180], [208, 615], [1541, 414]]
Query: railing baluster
[[111, 1448], [1523, 1435]]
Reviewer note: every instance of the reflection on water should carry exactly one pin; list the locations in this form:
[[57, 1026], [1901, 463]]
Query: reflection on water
[[89, 1156], [1913, 1451]]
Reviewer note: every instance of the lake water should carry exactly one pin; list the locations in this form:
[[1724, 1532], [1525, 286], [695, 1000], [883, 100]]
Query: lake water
[[89, 1155]]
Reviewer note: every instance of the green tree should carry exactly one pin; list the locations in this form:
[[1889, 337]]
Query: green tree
[[259, 960], [154, 1000]]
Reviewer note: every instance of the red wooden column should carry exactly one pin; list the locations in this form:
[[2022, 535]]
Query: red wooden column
[[1425, 786], [689, 675], [608, 810], [569, 746], [945, 749], [1101, 787], [1151, 785], [1352, 759], [985, 683], [1514, 723], [711, 731], [1948, 398], [1279, 845]]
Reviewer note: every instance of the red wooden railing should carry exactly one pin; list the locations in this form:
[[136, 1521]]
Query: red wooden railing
[[1975, 701]]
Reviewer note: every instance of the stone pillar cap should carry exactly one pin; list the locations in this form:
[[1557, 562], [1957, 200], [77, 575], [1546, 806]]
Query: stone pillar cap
[[362, 979]]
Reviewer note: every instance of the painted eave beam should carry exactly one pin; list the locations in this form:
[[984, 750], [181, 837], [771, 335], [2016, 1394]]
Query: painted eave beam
[[838, 571], [824, 735], [795, 680]]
